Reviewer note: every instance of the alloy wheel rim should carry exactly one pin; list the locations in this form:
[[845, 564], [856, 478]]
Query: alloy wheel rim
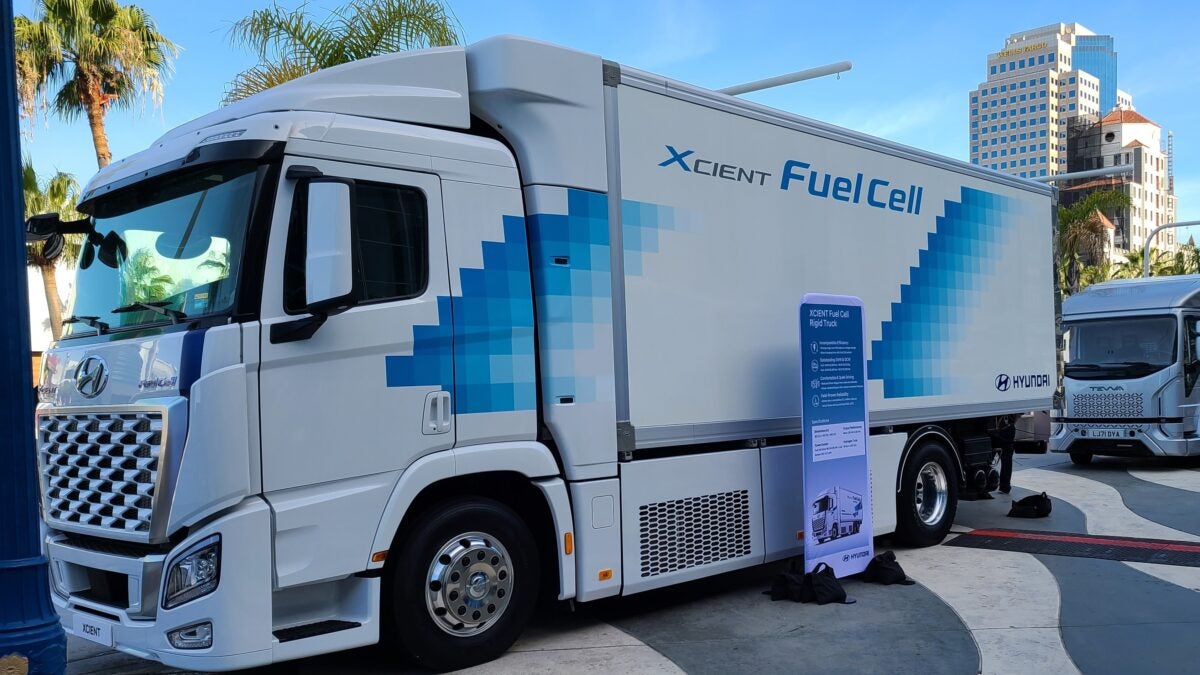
[[931, 494], [469, 584]]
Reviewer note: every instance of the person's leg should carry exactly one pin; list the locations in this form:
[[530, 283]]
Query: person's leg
[[1006, 466]]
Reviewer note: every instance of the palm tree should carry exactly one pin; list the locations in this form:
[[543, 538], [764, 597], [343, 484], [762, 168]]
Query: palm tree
[[58, 194], [1132, 267], [95, 55], [142, 280], [1094, 274], [1082, 233], [290, 43]]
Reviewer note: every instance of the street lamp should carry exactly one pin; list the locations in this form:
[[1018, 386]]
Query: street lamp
[[31, 638], [1150, 240]]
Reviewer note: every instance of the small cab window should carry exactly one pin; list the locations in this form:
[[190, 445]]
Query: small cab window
[[391, 244]]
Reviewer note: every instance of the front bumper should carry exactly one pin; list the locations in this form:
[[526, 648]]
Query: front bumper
[[1124, 440], [240, 609]]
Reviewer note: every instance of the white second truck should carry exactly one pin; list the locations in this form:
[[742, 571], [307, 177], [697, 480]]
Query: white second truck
[[389, 350], [1132, 364], [836, 513]]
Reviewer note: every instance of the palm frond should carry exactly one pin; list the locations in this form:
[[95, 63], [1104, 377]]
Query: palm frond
[[279, 34], [262, 77]]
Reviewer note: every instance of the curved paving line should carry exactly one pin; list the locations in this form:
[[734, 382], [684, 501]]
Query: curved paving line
[[1174, 478], [1112, 618], [725, 624], [1009, 601], [1173, 507]]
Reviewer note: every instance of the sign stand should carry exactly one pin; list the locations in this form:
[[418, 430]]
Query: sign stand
[[837, 481]]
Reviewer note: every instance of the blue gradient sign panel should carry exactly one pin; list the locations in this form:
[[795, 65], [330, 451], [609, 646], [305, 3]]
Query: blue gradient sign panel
[[837, 481]]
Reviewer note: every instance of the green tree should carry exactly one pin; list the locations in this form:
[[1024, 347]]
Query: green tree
[[57, 194], [1082, 233], [1132, 267], [290, 43], [142, 280], [1094, 274], [83, 57]]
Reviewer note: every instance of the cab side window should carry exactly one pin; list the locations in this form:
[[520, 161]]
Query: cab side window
[[1191, 359], [391, 244]]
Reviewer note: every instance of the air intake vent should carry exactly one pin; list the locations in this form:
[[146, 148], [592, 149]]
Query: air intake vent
[[99, 470], [684, 533], [1106, 405]]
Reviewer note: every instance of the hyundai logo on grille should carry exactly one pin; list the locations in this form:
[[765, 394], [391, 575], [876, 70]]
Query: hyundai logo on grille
[[91, 377]]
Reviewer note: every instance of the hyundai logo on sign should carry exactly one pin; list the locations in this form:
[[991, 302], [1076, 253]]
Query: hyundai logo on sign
[[91, 377]]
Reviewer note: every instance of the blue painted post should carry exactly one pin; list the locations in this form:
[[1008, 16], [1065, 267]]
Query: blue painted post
[[31, 639]]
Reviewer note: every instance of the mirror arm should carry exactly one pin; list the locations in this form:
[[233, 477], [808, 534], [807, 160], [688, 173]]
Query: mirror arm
[[298, 329]]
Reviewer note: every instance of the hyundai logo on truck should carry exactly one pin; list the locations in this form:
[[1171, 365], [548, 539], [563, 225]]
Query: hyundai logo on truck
[[1004, 381], [875, 192], [91, 376]]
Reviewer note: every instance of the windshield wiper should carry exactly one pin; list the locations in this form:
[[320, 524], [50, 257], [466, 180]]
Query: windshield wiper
[[159, 307], [93, 321], [1138, 364], [1082, 366]]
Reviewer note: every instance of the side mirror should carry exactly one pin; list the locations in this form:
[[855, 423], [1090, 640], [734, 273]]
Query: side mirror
[[329, 255], [41, 226]]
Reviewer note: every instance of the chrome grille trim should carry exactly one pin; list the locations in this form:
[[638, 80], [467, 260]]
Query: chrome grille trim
[[101, 469]]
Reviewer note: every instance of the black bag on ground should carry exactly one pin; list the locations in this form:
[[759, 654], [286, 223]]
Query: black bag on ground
[[1033, 506], [788, 585], [885, 569], [820, 586]]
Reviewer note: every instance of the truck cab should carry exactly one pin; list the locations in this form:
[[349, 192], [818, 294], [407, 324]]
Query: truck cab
[[1131, 368]]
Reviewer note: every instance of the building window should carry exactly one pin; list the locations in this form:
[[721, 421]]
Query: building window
[[1043, 171], [1003, 67], [1042, 146], [975, 137], [974, 112], [974, 124], [1042, 81], [974, 149], [1022, 63], [993, 70], [974, 99], [1071, 106], [1041, 59], [1072, 94], [1072, 80]]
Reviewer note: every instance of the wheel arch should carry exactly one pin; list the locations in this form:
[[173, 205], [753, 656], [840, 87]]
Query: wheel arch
[[522, 476], [923, 433]]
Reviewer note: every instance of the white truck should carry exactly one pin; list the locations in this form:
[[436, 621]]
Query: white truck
[[387, 351], [1132, 362], [836, 513]]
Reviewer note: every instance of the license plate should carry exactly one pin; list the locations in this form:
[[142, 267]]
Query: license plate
[[1108, 433], [92, 629]]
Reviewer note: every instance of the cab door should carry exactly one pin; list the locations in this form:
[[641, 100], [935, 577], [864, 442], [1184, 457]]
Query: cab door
[[367, 391]]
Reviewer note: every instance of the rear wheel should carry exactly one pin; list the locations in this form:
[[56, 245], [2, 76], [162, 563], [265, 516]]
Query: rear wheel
[[1081, 458], [928, 498], [465, 584]]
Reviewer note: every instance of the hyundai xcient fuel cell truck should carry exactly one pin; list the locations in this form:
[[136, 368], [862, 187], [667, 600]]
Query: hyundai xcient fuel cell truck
[[384, 352], [836, 513]]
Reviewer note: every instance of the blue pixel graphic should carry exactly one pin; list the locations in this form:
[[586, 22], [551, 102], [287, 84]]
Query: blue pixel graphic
[[482, 347], [572, 279], [928, 322], [641, 223]]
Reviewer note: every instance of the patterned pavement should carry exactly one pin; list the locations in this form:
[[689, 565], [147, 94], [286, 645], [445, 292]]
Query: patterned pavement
[[972, 611]]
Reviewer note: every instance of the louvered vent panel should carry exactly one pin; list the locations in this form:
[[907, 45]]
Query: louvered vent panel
[[99, 469], [684, 533]]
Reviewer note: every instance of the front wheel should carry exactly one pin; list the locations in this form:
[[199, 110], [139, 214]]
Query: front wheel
[[1081, 458], [928, 498], [465, 584]]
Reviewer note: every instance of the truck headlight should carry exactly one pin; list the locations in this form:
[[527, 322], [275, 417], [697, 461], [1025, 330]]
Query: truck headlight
[[193, 574]]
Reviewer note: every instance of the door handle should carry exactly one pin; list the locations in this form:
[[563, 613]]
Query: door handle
[[436, 418]]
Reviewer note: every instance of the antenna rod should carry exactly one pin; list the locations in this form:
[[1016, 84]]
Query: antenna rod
[[780, 80]]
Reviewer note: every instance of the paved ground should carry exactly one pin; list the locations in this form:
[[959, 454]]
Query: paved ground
[[972, 611]]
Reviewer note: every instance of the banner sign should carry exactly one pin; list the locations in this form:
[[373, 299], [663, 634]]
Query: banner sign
[[837, 481]]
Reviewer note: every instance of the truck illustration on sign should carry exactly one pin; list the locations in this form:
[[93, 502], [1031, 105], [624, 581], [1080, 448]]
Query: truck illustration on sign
[[836, 512]]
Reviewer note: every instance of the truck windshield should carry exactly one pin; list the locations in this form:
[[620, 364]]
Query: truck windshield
[[1120, 348], [163, 250]]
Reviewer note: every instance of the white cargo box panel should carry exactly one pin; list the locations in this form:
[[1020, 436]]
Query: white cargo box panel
[[730, 212]]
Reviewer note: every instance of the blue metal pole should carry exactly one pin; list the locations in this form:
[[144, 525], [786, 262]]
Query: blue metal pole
[[31, 639]]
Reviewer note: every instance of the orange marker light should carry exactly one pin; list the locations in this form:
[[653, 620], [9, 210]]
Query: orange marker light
[[605, 574], [379, 556], [568, 543]]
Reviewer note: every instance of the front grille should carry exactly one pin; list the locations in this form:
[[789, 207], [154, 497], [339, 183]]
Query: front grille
[[684, 533], [1107, 405], [99, 469]]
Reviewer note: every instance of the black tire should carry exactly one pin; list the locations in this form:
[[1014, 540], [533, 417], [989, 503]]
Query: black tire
[[911, 529], [1081, 458], [409, 620]]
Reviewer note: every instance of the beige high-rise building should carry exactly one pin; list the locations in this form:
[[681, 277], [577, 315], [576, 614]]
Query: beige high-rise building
[[1018, 117], [1050, 105]]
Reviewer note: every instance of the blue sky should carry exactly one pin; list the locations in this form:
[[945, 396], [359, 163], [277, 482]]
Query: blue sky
[[914, 63]]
